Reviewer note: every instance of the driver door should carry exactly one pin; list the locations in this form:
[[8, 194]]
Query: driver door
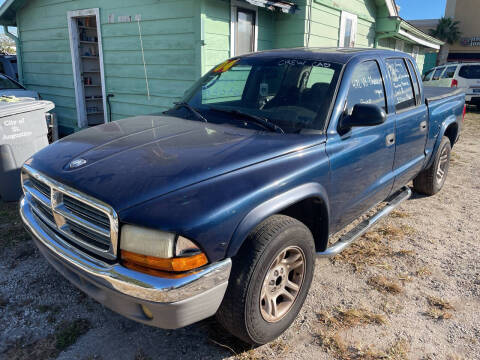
[[361, 159]]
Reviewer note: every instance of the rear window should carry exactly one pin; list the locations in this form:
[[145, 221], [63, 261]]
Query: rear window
[[470, 71]]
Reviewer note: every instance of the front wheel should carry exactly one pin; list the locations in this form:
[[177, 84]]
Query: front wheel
[[431, 180], [269, 282]]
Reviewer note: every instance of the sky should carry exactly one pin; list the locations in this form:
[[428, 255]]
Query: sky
[[421, 9]]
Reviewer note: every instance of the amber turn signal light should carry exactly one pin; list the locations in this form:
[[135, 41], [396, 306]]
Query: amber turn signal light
[[176, 264]]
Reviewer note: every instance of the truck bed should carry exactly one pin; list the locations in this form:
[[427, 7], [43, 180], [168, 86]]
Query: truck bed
[[433, 93]]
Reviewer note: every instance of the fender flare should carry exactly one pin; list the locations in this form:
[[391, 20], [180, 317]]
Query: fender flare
[[274, 206], [443, 128]]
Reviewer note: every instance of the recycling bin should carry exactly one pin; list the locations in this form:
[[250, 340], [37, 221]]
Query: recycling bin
[[23, 132]]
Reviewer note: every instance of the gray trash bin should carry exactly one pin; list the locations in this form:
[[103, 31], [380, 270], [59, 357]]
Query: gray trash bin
[[23, 132]]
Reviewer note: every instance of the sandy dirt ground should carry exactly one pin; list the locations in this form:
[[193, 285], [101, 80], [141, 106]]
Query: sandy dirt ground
[[409, 289]]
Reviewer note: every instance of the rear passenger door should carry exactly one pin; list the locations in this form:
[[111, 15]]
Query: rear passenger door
[[411, 119]]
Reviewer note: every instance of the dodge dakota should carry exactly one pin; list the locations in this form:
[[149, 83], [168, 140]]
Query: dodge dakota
[[221, 204]]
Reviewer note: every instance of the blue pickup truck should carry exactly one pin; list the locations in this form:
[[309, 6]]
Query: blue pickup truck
[[221, 204]]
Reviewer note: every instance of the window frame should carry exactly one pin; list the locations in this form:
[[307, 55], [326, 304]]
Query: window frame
[[411, 84], [353, 34], [235, 5], [410, 68]]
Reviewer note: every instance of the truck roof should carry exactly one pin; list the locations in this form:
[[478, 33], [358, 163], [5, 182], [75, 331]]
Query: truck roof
[[333, 54]]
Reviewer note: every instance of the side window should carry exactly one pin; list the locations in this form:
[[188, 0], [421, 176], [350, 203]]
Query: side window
[[428, 75], [449, 72], [437, 73], [401, 83], [416, 85], [366, 86]]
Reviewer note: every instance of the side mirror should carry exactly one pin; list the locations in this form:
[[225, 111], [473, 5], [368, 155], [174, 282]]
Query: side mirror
[[364, 115]]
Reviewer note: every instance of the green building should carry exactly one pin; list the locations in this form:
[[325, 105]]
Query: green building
[[109, 59]]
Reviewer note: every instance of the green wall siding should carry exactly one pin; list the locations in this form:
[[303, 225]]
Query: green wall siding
[[216, 27], [325, 28], [182, 39], [169, 30]]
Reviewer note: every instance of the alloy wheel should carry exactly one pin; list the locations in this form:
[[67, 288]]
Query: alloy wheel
[[282, 283]]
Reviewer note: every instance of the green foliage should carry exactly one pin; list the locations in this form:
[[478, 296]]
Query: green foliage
[[68, 332], [447, 30]]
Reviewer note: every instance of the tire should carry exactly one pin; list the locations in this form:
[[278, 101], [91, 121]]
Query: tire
[[245, 311], [429, 182]]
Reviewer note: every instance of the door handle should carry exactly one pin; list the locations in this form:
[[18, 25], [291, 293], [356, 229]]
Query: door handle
[[423, 126], [390, 139]]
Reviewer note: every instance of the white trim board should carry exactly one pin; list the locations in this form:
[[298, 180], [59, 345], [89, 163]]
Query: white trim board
[[233, 20], [418, 40], [344, 17], [82, 121]]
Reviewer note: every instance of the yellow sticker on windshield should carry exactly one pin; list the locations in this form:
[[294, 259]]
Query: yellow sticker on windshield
[[225, 66]]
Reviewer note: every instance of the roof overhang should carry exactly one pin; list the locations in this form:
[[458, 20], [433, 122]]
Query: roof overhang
[[396, 27], [409, 31], [288, 7], [8, 12]]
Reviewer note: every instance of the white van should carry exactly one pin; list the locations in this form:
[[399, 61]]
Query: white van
[[461, 75]]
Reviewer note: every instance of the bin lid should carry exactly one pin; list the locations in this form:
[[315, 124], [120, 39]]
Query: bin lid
[[11, 105]]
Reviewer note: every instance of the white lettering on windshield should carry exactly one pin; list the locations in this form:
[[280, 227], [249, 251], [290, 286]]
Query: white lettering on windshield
[[321, 64], [304, 62], [291, 62]]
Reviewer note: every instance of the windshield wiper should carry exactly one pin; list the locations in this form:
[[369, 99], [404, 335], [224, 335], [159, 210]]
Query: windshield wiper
[[192, 110], [263, 122]]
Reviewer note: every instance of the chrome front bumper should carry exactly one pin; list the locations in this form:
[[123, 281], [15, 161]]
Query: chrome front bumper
[[161, 302]]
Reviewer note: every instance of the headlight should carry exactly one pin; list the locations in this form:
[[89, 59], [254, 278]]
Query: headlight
[[145, 250]]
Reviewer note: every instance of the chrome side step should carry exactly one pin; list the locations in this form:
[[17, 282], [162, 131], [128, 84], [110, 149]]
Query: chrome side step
[[365, 225]]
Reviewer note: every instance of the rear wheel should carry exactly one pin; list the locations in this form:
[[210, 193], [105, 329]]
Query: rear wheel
[[269, 282], [431, 180]]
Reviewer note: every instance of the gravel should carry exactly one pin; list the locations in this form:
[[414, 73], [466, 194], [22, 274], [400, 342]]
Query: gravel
[[439, 256]]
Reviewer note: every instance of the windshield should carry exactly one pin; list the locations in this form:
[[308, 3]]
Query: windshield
[[6, 83], [293, 94]]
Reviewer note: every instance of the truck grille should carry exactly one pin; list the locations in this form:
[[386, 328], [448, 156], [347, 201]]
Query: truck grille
[[78, 219]]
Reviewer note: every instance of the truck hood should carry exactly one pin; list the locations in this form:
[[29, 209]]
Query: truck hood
[[130, 161]]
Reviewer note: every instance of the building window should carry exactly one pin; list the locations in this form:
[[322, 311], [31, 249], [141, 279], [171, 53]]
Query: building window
[[399, 44], [243, 29], [415, 51], [348, 30]]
